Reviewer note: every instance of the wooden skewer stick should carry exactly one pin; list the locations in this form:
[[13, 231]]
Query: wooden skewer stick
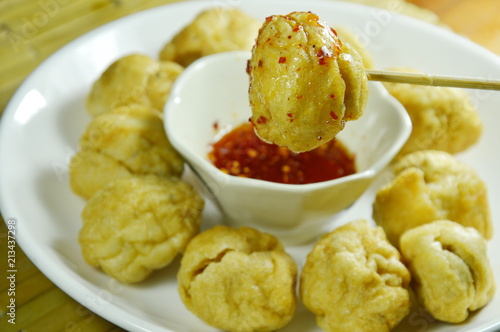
[[433, 80]]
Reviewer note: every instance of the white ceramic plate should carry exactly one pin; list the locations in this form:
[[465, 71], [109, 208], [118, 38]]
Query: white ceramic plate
[[43, 122]]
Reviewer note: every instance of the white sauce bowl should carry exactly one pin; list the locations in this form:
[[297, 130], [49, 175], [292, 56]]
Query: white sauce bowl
[[214, 90]]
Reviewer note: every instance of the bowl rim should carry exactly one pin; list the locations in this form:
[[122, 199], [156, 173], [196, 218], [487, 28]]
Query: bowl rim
[[193, 159]]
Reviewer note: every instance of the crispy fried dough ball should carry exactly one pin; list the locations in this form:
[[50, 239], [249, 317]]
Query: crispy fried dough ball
[[129, 140], [214, 30], [133, 79], [238, 280], [443, 118], [353, 280], [451, 272], [139, 224], [304, 83], [429, 186]]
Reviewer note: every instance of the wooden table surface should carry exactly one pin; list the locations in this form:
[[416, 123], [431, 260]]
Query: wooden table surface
[[31, 30]]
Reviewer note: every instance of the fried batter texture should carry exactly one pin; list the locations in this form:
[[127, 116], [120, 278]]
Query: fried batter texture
[[442, 118], [353, 280], [429, 186], [238, 280], [347, 36], [215, 30], [129, 140], [133, 79], [139, 224], [451, 271], [304, 83]]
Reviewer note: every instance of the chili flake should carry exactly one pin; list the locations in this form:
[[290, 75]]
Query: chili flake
[[242, 153]]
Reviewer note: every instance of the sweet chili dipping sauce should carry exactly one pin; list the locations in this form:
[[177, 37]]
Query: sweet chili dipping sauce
[[242, 153]]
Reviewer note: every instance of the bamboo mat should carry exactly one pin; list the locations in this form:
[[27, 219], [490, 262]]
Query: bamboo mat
[[31, 30]]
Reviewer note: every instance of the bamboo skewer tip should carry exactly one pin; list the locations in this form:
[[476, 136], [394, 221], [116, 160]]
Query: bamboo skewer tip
[[432, 79]]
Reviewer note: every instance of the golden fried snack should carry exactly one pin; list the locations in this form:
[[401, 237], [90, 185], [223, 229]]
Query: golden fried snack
[[139, 224], [451, 271], [215, 30], [353, 280], [443, 118], [347, 36], [133, 79], [429, 186], [238, 280], [129, 140], [304, 83]]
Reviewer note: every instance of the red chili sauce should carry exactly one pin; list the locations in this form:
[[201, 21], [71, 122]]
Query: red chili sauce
[[242, 153]]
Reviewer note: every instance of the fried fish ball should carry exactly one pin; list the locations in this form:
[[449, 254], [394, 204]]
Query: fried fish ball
[[429, 186], [139, 224], [450, 267], [133, 79], [304, 83], [238, 280], [353, 280], [129, 140], [215, 30], [443, 118]]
